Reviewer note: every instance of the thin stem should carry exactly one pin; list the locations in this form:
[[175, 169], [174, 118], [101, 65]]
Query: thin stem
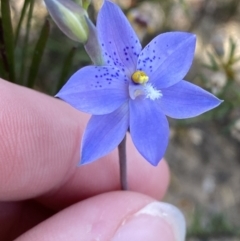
[[123, 164], [92, 45]]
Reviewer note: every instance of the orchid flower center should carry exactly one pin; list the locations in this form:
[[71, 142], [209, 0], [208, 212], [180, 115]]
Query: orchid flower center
[[144, 88], [140, 77]]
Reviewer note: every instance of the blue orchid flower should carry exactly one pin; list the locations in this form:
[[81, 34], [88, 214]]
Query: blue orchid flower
[[135, 89]]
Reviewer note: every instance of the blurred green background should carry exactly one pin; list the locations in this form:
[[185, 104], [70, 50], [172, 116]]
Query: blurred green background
[[204, 152]]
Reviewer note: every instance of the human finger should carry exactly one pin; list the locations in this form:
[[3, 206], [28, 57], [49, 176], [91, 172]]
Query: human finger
[[40, 138], [116, 216], [18, 217], [103, 176]]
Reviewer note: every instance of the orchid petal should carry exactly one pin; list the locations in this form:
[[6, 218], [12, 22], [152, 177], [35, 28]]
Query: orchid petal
[[185, 100], [120, 44], [149, 129], [104, 133], [96, 90], [167, 58]]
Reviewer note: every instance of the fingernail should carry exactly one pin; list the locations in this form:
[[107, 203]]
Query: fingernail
[[157, 221]]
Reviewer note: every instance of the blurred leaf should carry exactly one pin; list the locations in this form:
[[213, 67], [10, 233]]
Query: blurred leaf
[[8, 38], [66, 68], [37, 55], [23, 12], [2, 72], [213, 63], [86, 4], [4, 69], [25, 46], [236, 59], [195, 227], [232, 51], [184, 7], [79, 2], [207, 66], [217, 226]]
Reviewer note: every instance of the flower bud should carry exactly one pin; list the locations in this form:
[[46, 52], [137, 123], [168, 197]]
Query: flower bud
[[70, 18], [79, 2], [86, 3]]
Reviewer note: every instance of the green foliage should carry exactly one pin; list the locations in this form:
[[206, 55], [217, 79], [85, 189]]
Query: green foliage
[[213, 65], [25, 42], [8, 40], [38, 54], [66, 68], [217, 226], [26, 52], [229, 92], [23, 12]]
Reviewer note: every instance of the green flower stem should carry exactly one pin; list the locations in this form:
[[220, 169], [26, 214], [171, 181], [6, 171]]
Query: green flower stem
[[92, 46], [123, 164]]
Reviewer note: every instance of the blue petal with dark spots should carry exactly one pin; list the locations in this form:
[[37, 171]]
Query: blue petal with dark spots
[[167, 58], [120, 44], [96, 90]]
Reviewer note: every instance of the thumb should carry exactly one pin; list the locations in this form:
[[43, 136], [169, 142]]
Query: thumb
[[157, 221], [114, 216]]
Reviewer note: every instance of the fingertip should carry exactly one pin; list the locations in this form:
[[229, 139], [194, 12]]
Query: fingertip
[[103, 176], [117, 216], [40, 138], [155, 221]]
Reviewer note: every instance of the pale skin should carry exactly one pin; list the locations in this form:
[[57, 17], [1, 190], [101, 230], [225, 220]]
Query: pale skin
[[40, 141]]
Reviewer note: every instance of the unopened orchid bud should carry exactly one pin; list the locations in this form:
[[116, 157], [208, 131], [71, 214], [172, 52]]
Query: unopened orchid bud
[[83, 3], [79, 2], [70, 18], [86, 3]]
